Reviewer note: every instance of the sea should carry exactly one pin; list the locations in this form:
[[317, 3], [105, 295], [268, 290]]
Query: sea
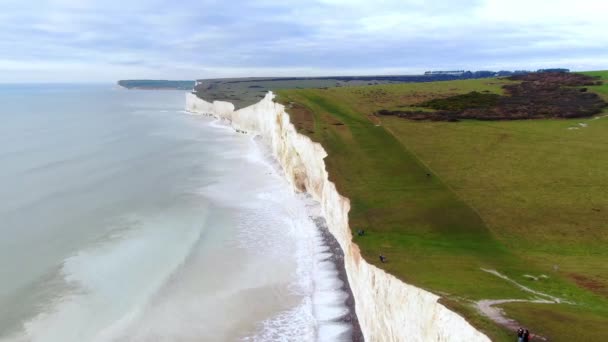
[[125, 218]]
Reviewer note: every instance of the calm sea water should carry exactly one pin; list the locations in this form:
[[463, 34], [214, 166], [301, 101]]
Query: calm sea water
[[124, 218]]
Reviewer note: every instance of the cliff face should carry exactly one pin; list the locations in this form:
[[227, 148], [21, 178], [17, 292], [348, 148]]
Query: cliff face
[[387, 308]]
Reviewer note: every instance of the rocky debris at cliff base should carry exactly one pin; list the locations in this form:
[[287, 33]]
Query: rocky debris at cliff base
[[337, 257]]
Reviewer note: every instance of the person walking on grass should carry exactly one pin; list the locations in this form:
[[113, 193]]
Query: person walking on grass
[[526, 335], [520, 335]]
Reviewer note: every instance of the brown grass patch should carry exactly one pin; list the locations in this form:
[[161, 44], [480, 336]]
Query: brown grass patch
[[301, 117], [593, 285]]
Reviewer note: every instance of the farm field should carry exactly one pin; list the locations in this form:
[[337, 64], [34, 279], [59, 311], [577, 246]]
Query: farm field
[[453, 205], [243, 92]]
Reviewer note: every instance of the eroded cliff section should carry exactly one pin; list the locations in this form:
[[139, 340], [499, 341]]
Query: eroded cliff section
[[387, 308]]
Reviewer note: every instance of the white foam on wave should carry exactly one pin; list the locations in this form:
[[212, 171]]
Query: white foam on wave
[[328, 297], [332, 332], [296, 324], [275, 190], [109, 282], [319, 315], [221, 124], [316, 278]]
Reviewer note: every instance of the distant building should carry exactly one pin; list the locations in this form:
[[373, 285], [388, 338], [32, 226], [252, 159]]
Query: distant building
[[554, 70], [449, 73]]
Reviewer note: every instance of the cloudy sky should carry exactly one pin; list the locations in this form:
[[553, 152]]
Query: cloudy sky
[[105, 40]]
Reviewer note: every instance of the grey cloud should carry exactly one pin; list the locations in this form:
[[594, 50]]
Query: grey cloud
[[199, 37]]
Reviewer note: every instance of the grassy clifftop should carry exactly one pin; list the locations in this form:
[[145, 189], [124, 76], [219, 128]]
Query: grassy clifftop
[[445, 201]]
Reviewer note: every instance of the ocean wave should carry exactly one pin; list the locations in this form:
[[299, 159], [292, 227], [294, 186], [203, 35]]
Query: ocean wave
[[296, 324], [108, 283]]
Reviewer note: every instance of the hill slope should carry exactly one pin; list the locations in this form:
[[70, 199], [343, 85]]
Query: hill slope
[[448, 203]]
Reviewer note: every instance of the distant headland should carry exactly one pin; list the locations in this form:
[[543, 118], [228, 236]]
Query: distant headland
[[156, 84]]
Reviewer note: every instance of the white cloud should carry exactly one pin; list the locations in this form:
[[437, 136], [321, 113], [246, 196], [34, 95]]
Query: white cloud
[[158, 38]]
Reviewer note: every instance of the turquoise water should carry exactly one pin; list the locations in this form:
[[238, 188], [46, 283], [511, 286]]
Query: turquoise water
[[124, 218]]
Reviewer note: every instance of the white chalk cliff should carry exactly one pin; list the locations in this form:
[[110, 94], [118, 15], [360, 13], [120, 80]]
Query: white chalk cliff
[[388, 309]]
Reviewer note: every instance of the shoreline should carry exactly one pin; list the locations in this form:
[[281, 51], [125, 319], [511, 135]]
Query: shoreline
[[337, 258], [328, 241]]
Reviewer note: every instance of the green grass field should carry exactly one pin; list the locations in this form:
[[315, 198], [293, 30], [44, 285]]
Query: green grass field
[[519, 197], [603, 89], [562, 323]]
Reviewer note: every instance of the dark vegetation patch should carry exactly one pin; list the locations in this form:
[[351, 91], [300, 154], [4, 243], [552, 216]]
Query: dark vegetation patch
[[538, 96], [463, 102], [558, 78], [420, 115]]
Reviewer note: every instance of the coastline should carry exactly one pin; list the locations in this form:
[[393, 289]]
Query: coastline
[[337, 258], [387, 308], [332, 299]]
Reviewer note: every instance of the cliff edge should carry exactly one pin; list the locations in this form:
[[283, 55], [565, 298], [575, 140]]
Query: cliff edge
[[388, 309]]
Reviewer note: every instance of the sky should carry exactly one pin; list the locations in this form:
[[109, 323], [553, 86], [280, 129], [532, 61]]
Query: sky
[[107, 40]]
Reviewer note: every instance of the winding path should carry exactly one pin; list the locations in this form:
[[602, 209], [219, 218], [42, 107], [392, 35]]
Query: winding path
[[496, 314]]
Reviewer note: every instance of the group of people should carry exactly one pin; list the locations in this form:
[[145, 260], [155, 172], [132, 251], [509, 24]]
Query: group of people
[[523, 335], [361, 232]]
